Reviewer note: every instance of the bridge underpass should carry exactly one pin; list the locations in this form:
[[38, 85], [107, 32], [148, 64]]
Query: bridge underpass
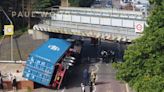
[[104, 24]]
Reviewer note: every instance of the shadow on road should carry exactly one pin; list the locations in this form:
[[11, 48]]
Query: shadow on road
[[75, 78], [100, 83]]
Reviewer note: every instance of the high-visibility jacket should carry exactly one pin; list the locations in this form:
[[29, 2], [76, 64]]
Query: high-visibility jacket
[[93, 76]]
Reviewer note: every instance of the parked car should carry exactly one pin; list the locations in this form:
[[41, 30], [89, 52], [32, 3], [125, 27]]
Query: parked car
[[109, 4], [97, 2]]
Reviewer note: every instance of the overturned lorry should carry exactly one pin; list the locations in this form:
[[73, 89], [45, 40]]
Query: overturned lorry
[[48, 64]]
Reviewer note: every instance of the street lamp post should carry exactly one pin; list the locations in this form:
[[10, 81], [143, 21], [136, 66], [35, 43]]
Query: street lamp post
[[6, 16], [11, 23], [133, 5]]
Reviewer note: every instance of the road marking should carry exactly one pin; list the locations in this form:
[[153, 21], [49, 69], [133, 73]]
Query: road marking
[[127, 87], [97, 68]]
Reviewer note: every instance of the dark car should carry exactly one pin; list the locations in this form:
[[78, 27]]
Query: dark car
[[109, 4], [97, 2]]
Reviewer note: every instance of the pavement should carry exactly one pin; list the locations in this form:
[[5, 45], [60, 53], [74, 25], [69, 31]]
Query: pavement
[[7, 68], [106, 80]]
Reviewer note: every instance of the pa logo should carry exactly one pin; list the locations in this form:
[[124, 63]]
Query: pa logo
[[54, 47]]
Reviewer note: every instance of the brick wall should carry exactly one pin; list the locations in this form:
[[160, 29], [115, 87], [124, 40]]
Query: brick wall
[[20, 85]]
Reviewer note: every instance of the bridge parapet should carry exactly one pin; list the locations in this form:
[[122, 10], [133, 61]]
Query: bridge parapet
[[98, 23], [102, 17], [105, 12]]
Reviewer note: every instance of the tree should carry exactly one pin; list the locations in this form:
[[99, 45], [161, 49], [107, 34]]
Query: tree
[[56, 2], [23, 5], [143, 68], [74, 2], [81, 3], [42, 4]]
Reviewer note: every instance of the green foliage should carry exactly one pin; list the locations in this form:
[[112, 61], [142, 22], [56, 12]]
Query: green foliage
[[143, 68], [157, 2], [149, 84], [20, 31], [41, 4], [81, 3], [56, 2], [74, 2]]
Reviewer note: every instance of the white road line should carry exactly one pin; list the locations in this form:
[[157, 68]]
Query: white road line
[[97, 68], [127, 87]]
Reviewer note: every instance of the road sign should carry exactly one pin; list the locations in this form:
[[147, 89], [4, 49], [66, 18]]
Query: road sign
[[139, 27], [8, 29]]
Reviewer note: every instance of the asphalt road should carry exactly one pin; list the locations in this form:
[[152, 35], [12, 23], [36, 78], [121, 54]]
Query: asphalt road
[[106, 81]]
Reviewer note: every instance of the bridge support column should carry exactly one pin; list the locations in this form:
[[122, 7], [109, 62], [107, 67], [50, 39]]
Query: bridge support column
[[37, 35], [65, 3]]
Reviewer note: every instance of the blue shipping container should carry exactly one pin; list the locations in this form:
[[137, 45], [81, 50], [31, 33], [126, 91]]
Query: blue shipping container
[[41, 62]]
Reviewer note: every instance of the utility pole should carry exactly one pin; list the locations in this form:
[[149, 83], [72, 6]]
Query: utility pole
[[6, 16], [23, 10], [133, 5], [29, 18], [67, 3]]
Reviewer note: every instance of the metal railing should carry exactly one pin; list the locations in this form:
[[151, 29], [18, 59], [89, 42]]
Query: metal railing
[[101, 12]]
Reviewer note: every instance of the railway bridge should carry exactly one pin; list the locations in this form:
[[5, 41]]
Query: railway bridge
[[107, 24]]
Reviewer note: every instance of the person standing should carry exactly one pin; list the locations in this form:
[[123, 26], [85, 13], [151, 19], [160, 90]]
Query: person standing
[[104, 55], [1, 82], [10, 76], [85, 77], [113, 56], [82, 87], [93, 77], [90, 86], [14, 84]]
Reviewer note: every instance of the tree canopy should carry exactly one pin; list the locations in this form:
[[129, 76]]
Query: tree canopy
[[17, 5], [42, 4], [81, 3], [74, 2], [143, 66]]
